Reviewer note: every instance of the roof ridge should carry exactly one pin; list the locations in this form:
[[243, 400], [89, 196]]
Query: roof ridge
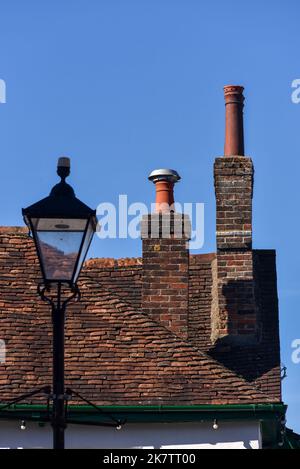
[[112, 262], [13, 230], [204, 257]]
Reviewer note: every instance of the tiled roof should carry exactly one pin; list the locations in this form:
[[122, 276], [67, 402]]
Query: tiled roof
[[115, 353]]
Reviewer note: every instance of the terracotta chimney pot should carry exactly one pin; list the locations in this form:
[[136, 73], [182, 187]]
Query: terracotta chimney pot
[[234, 129], [164, 180]]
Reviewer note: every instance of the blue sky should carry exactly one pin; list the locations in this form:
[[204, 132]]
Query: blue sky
[[124, 87]]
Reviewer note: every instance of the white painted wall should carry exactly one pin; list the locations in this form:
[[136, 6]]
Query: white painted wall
[[241, 435]]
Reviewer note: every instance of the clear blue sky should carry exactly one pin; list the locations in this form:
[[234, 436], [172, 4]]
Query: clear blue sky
[[124, 87]]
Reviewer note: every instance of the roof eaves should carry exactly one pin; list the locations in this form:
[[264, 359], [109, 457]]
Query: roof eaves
[[85, 414]]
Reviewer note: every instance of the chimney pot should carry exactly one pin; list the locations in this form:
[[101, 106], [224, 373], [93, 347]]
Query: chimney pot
[[234, 128], [164, 180]]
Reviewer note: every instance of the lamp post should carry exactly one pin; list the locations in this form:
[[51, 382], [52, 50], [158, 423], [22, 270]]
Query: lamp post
[[62, 228]]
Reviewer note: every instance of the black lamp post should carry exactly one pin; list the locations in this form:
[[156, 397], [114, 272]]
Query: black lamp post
[[62, 228]]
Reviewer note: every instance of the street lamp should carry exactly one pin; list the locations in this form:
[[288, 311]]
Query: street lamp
[[62, 228]]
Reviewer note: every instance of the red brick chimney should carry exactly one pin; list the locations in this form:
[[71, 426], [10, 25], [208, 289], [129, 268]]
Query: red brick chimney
[[235, 319], [165, 236]]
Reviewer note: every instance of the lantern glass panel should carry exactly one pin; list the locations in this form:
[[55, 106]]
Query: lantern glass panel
[[85, 246], [59, 243]]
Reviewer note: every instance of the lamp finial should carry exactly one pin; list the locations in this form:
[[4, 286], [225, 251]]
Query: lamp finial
[[63, 167]]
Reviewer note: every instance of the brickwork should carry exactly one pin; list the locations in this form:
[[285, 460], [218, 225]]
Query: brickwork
[[233, 188], [200, 299], [165, 284], [236, 297], [235, 318], [259, 363]]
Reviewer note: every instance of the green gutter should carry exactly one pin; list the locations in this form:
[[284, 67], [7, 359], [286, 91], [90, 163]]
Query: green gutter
[[158, 408], [85, 414]]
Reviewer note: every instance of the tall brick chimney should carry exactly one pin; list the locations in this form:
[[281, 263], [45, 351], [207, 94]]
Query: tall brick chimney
[[235, 318], [165, 236]]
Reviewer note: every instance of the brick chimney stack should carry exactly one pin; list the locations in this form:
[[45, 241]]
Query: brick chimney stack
[[236, 318], [165, 236]]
